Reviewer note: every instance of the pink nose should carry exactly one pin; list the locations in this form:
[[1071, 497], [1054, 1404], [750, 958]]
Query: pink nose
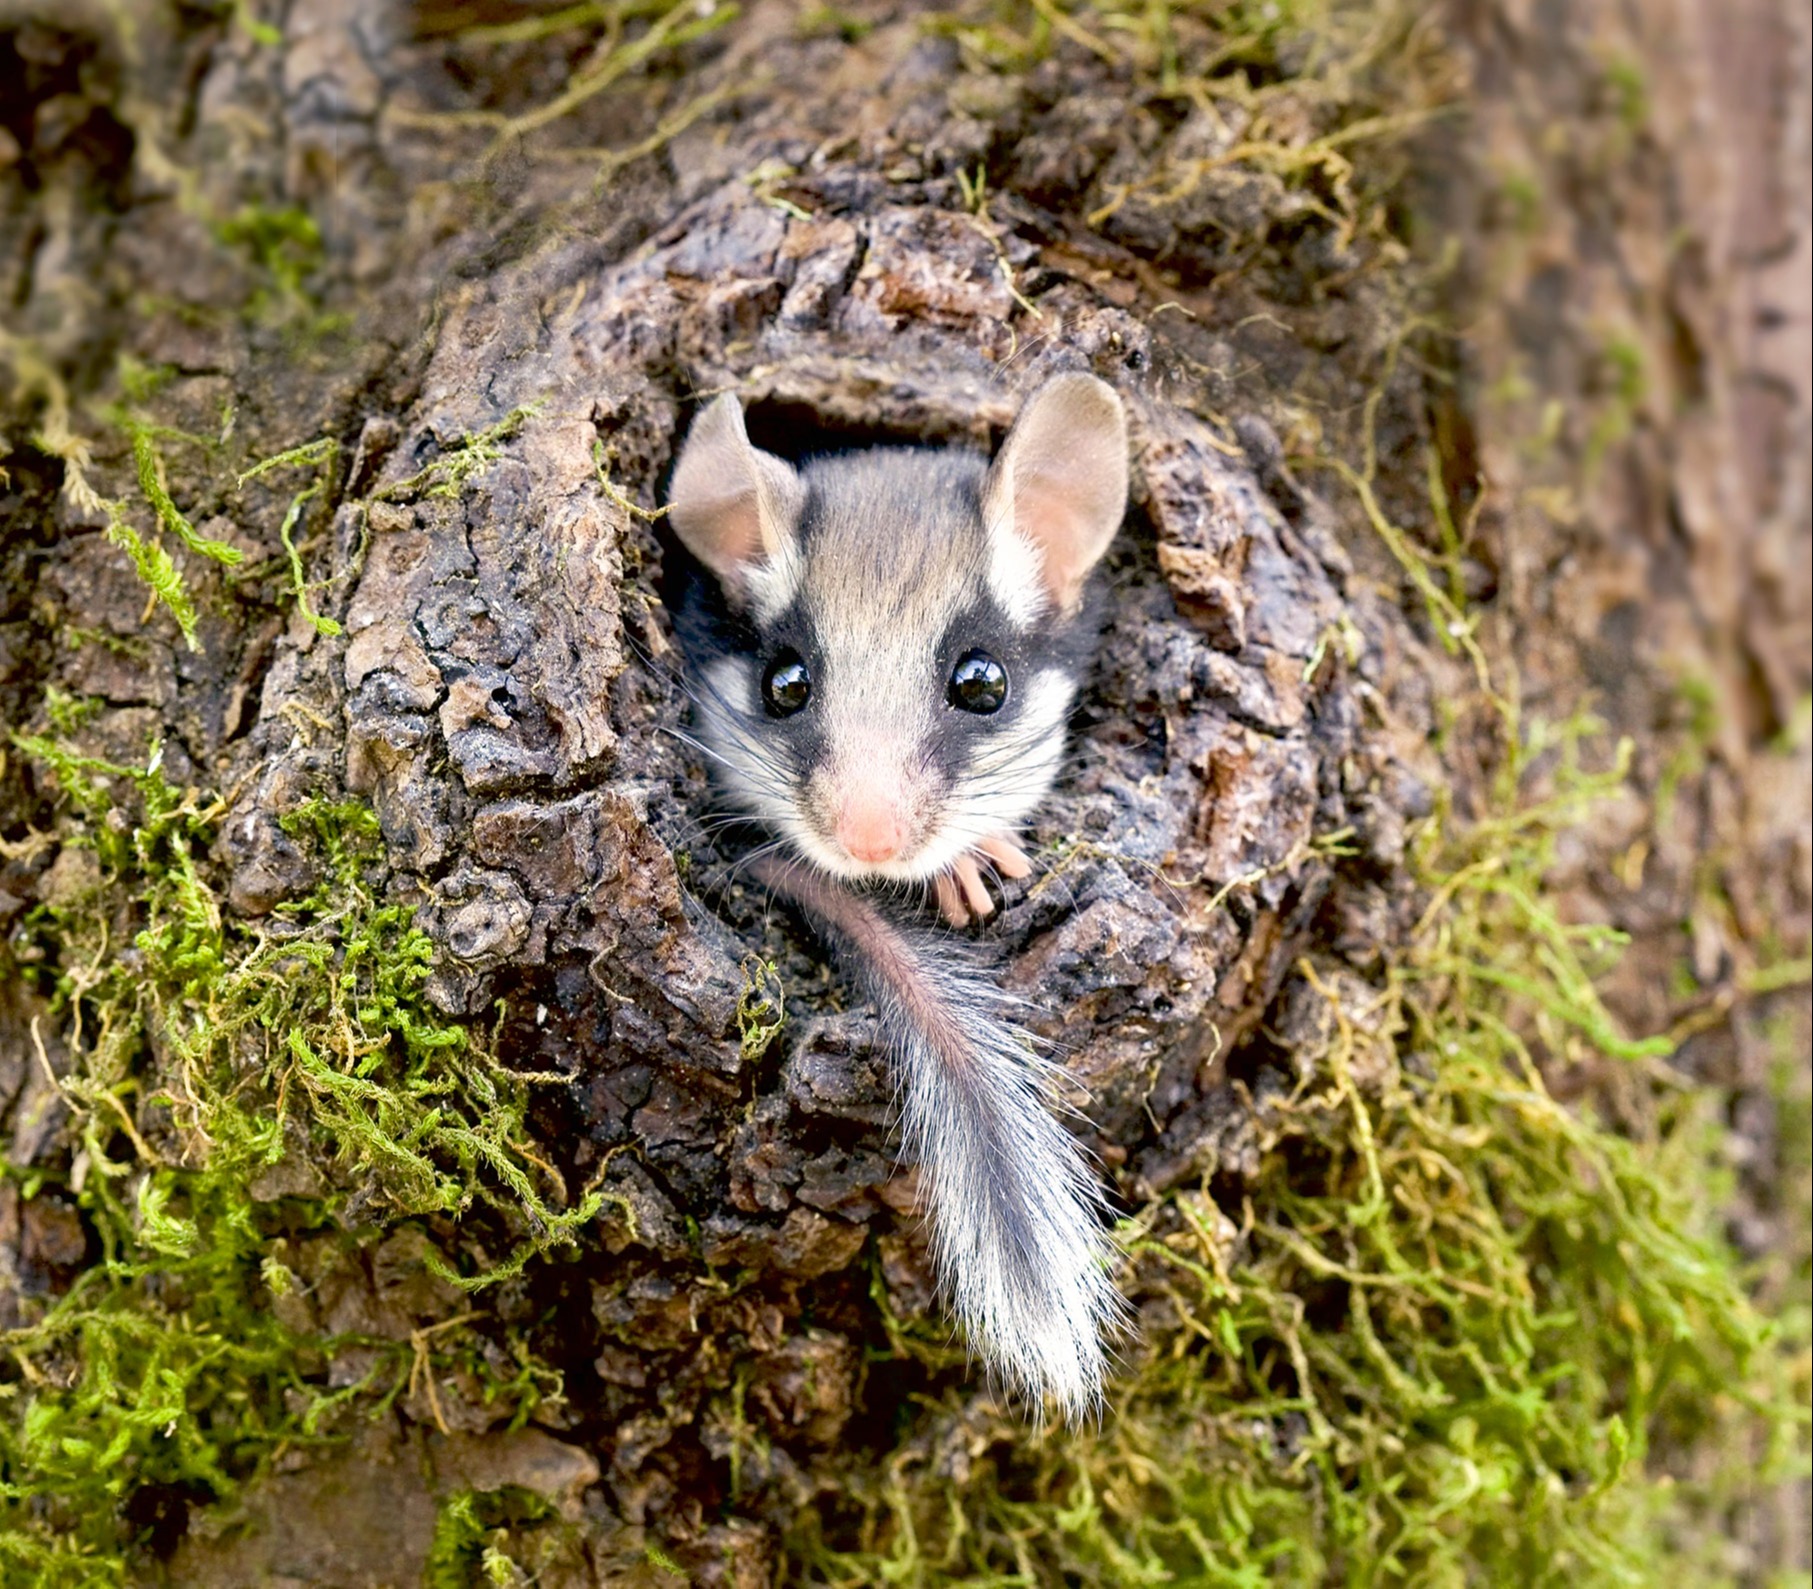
[[870, 829]]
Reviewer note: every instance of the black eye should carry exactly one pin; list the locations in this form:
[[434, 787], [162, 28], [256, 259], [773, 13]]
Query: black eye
[[786, 684], [978, 684]]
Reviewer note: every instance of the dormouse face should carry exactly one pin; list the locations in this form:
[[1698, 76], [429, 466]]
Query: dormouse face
[[904, 627]]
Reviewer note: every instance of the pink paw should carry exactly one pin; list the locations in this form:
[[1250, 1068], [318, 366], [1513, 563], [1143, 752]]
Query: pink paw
[[960, 891]]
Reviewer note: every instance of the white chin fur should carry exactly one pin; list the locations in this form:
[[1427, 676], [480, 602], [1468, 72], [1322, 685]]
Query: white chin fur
[[936, 855]]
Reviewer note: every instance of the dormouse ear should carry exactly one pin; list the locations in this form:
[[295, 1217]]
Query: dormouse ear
[[732, 506], [1060, 481]]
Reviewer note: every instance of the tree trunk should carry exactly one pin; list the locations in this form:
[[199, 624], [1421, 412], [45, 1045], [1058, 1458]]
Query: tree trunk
[[385, 326]]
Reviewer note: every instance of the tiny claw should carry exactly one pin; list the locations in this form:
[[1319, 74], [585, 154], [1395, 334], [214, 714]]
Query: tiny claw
[[960, 890], [950, 901], [1010, 860], [975, 890]]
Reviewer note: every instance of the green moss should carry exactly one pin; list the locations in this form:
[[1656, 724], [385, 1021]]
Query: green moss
[[132, 646], [162, 1368], [1523, 196], [149, 557], [283, 244], [446, 475], [69, 714], [492, 1537], [1622, 383], [260, 32], [459, 1536], [157, 570], [1628, 87], [661, 1561], [1453, 1332], [149, 465], [161, 1372], [829, 21], [616, 57], [142, 382], [761, 1007], [206, 1051], [324, 457]]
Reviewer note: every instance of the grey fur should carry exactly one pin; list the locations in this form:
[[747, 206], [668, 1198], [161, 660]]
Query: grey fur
[[877, 566], [1016, 1219]]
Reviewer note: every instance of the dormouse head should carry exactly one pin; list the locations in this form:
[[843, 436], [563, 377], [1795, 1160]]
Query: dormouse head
[[899, 634]]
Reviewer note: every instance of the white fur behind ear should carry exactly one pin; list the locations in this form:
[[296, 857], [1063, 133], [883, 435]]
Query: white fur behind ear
[[1060, 482], [732, 506]]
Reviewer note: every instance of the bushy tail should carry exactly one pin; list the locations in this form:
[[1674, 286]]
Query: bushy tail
[[1016, 1217]]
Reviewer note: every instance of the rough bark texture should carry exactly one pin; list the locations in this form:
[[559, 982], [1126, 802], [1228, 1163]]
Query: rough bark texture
[[1673, 591], [804, 227]]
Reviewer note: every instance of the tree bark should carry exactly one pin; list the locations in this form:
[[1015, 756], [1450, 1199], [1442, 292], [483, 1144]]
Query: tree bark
[[365, 232]]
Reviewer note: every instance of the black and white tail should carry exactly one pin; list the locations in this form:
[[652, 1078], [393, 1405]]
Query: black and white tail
[[1016, 1217]]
